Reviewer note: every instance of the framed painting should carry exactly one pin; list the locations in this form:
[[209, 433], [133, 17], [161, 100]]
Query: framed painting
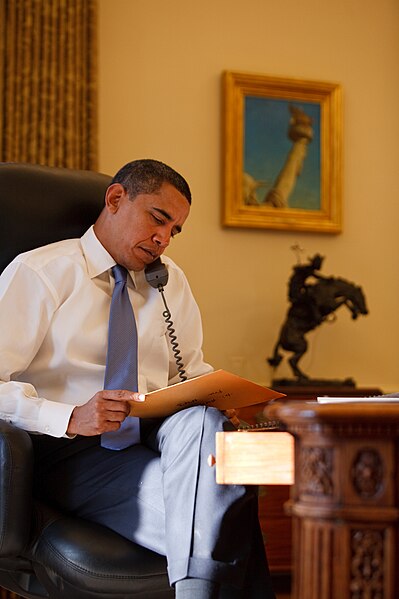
[[283, 153]]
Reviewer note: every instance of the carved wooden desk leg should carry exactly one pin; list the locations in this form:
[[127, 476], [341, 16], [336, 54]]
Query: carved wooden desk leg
[[345, 499]]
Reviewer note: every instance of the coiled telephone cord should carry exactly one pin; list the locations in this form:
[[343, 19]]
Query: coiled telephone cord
[[173, 339]]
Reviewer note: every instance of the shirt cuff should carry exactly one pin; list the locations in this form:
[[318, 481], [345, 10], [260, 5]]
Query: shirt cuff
[[54, 418]]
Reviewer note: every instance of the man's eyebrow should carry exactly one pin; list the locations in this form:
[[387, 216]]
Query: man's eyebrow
[[168, 217]]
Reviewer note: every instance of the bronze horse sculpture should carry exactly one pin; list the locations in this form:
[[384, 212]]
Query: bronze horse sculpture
[[312, 306]]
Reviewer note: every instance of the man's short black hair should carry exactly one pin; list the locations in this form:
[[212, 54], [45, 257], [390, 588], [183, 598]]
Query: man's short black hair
[[147, 176]]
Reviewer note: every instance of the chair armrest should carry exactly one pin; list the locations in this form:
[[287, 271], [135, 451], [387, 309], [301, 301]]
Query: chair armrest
[[16, 473]]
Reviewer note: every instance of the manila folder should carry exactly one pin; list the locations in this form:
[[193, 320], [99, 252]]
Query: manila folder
[[219, 389]]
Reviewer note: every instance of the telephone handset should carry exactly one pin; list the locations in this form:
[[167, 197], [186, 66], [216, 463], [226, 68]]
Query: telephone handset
[[157, 276]]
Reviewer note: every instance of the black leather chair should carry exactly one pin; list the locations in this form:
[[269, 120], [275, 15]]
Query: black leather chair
[[45, 553]]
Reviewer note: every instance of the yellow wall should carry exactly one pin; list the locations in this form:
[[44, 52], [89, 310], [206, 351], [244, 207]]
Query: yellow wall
[[160, 97]]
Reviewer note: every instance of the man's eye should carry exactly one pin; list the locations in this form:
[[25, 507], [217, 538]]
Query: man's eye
[[157, 220]]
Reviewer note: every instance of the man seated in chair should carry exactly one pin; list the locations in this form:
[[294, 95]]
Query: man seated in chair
[[71, 314]]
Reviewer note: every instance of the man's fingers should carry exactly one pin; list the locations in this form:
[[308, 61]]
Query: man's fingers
[[104, 412], [229, 413], [117, 400], [116, 416], [138, 397], [122, 395], [232, 416]]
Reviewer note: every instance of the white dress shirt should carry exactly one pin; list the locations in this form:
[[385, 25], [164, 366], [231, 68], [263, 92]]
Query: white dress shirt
[[54, 311]]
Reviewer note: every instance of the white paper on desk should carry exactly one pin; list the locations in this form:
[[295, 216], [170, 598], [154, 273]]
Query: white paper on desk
[[219, 389], [377, 399]]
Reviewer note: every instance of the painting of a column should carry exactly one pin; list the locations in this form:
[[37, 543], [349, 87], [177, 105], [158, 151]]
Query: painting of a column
[[282, 153]]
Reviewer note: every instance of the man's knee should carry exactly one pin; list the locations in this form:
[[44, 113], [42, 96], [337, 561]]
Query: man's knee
[[210, 419], [216, 419], [197, 415], [193, 425]]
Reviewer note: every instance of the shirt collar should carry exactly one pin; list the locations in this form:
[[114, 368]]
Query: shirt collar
[[98, 260]]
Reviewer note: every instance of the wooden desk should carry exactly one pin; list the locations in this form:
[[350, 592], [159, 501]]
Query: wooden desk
[[345, 501], [275, 521]]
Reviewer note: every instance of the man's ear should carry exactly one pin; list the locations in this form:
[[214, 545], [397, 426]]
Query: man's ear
[[113, 196]]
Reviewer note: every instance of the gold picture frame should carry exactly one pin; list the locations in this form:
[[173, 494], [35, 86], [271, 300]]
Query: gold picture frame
[[282, 153]]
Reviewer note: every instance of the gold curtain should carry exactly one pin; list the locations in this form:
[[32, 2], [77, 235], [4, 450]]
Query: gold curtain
[[48, 82]]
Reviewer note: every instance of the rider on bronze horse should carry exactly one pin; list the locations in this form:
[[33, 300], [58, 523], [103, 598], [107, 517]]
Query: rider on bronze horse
[[311, 305]]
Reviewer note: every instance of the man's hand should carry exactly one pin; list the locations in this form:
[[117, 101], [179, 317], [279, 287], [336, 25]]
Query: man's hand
[[232, 416], [104, 412]]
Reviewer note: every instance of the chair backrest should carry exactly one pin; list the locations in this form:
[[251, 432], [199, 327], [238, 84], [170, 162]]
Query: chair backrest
[[42, 204]]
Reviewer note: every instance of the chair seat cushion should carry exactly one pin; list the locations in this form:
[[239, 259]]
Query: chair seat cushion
[[89, 559]]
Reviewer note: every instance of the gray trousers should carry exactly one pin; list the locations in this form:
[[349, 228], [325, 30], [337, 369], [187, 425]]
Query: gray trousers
[[162, 495]]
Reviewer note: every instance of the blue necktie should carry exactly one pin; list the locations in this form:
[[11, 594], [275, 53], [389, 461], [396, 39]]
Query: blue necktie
[[121, 367]]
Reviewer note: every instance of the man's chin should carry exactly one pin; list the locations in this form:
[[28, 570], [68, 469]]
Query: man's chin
[[140, 264], [139, 260]]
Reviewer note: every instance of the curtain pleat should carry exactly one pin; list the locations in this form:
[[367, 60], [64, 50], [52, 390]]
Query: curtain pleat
[[48, 82]]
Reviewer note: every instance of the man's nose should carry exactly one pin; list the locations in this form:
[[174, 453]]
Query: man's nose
[[162, 238]]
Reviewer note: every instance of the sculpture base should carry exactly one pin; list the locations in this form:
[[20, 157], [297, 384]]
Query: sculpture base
[[304, 383]]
